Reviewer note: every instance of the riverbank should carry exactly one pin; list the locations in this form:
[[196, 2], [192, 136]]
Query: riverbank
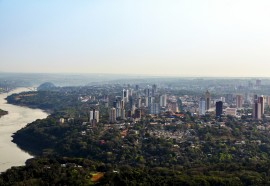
[[32, 106], [17, 118]]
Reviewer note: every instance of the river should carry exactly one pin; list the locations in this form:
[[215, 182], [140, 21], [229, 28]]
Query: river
[[17, 118]]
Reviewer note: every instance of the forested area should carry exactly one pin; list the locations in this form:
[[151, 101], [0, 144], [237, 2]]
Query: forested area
[[80, 171], [227, 151]]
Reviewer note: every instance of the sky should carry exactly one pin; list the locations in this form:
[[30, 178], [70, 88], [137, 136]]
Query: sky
[[228, 38]]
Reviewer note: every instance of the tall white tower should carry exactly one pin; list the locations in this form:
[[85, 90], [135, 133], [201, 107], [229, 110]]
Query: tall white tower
[[163, 100], [113, 115], [202, 107], [94, 116], [125, 95]]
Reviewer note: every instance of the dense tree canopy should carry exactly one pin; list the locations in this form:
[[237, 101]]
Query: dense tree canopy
[[196, 151]]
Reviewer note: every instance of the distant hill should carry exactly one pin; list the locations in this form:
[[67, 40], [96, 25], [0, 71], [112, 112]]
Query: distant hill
[[46, 86]]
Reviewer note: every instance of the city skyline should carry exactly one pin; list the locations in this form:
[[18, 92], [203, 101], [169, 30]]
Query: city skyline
[[158, 38]]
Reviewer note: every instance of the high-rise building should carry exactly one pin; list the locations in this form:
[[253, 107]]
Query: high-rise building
[[257, 113], [150, 104], [229, 98], [128, 113], [223, 99], [174, 107], [112, 115], [139, 102], [146, 101], [123, 113], [94, 116], [154, 108], [149, 101], [262, 102], [219, 108], [202, 107], [268, 100], [133, 108], [106, 98], [130, 92], [122, 105], [118, 112], [255, 97], [163, 100], [207, 100], [239, 101], [148, 91], [125, 95], [258, 82], [131, 102], [115, 104], [138, 113], [154, 89]]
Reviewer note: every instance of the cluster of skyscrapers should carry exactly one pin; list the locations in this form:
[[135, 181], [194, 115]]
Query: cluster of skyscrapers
[[258, 106], [133, 103]]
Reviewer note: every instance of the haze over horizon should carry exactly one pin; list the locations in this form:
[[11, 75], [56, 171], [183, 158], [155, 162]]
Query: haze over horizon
[[162, 38]]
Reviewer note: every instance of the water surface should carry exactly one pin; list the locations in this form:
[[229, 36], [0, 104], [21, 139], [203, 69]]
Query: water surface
[[17, 118]]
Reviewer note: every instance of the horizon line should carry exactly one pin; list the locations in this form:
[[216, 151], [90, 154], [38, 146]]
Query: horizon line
[[142, 75]]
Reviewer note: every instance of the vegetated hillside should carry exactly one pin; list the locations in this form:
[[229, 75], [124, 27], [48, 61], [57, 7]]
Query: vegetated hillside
[[78, 171], [205, 153]]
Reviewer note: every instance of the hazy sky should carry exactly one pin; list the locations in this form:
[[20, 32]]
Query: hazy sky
[[157, 37]]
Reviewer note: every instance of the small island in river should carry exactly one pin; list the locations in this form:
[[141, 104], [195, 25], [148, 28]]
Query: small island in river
[[3, 112]]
